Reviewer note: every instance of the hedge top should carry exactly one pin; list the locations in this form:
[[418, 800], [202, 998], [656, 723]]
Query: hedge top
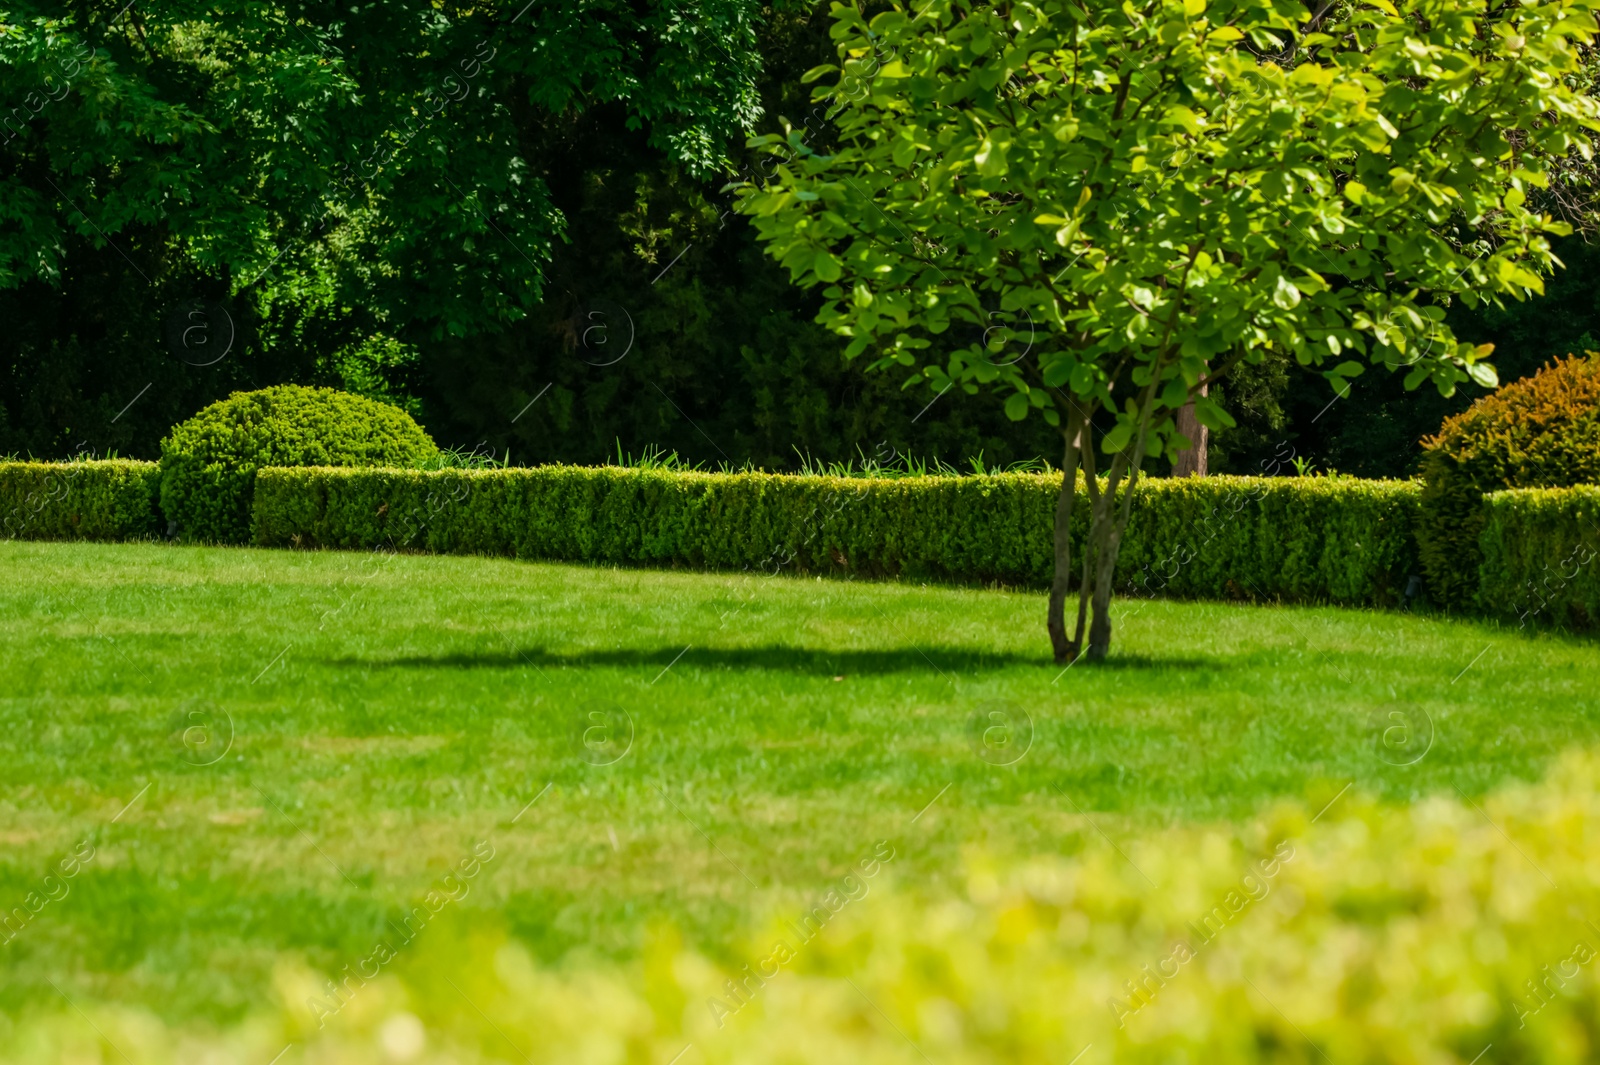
[[291, 425], [1540, 432]]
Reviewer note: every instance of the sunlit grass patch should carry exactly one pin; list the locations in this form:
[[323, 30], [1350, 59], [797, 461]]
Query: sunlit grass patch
[[305, 742]]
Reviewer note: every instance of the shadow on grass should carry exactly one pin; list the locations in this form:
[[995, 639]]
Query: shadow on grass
[[773, 657]]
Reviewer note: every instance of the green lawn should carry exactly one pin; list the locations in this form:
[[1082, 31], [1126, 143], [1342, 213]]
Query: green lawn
[[382, 715]]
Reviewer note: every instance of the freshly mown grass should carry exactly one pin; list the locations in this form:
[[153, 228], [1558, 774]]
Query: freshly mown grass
[[302, 746]]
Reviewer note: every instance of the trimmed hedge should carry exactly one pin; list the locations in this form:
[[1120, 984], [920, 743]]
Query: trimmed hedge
[[1540, 432], [1315, 539], [1311, 539], [1541, 555], [209, 463], [1320, 539], [112, 499], [718, 521]]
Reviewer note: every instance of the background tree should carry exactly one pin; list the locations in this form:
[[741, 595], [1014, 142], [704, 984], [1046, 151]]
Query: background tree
[[1170, 190], [416, 201], [724, 361], [323, 178]]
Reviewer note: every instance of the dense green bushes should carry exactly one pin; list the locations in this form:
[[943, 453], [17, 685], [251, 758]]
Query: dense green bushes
[[209, 463], [1540, 432], [96, 500], [1336, 540], [1539, 556]]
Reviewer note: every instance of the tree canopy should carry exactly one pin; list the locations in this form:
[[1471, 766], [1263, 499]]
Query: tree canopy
[[382, 155]]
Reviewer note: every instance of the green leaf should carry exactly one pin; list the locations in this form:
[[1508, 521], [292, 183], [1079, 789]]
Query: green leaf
[[1017, 406], [1183, 117], [1285, 295], [991, 158], [1117, 438]]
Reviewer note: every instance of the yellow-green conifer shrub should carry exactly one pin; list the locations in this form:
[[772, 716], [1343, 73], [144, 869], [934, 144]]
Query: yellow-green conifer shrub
[[1540, 432], [1343, 932]]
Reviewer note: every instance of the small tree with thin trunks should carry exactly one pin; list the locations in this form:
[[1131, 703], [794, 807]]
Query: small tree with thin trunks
[[1098, 209]]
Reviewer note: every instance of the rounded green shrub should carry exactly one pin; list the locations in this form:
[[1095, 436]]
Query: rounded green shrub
[[209, 463], [1540, 432]]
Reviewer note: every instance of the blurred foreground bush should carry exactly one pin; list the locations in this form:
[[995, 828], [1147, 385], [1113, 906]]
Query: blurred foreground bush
[[1340, 933]]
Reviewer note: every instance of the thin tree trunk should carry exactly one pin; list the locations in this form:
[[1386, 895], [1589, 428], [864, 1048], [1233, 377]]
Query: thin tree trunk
[[1061, 584], [1091, 484], [1108, 513], [1105, 537], [1191, 460], [1111, 518]]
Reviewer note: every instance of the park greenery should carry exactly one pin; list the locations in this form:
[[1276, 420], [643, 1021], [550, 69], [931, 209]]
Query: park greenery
[[209, 462], [390, 249], [521, 523]]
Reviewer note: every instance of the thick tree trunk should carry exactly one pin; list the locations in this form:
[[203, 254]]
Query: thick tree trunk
[[1061, 584], [1192, 460]]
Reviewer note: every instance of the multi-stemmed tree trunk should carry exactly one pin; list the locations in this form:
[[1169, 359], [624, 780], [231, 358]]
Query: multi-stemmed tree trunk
[[1109, 510]]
